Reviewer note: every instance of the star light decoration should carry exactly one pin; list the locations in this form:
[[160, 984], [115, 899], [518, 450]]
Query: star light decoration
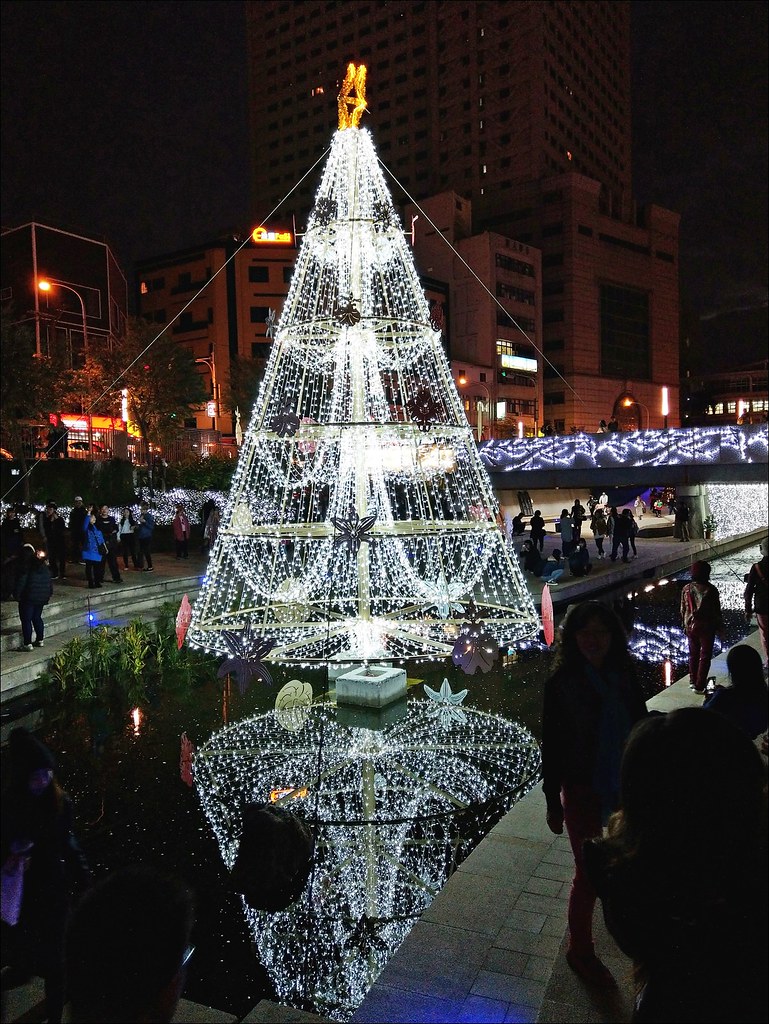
[[381, 426], [391, 811], [270, 324]]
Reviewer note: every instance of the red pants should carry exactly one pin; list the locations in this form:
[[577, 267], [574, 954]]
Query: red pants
[[700, 655], [582, 817], [763, 627]]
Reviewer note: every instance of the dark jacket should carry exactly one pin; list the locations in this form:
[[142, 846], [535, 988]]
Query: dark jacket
[[534, 562], [56, 870], [34, 585], [750, 715], [570, 727], [579, 561], [54, 529], [146, 526], [77, 521], [12, 537], [757, 592], [108, 526], [537, 526]]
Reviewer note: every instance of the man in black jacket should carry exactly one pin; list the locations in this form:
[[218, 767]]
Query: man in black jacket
[[76, 527], [53, 528]]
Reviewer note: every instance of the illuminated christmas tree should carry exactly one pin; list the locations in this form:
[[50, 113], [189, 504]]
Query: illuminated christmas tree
[[361, 523]]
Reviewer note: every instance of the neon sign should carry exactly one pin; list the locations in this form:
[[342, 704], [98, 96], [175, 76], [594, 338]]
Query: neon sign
[[265, 235]]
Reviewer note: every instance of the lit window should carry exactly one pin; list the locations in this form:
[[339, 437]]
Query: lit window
[[143, 288]]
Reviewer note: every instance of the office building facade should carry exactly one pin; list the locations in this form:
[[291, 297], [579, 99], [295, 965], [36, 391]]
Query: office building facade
[[524, 110]]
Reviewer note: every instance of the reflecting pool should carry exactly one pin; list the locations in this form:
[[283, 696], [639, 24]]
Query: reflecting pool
[[395, 803]]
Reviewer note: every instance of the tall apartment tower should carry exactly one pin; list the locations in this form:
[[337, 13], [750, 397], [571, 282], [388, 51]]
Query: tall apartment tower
[[525, 110]]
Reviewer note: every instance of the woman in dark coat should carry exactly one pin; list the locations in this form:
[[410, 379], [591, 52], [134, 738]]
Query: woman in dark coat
[[32, 589], [592, 701], [37, 817]]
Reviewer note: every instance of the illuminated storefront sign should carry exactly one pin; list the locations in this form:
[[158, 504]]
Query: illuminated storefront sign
[[265, 235], [518, 363]]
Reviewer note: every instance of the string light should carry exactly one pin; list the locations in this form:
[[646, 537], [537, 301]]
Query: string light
[[391, 811], [358, 415]]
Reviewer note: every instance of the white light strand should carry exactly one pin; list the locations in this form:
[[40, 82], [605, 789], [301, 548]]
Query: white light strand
[[387, 808], [353, 349]]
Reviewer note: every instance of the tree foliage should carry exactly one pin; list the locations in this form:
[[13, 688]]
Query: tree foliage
[[163, 385], [240, 390], [30, 387]]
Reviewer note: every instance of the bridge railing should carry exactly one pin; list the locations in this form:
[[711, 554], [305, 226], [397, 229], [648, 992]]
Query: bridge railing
[[694, 446]]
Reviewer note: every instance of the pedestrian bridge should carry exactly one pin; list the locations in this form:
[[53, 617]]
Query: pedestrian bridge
[[686, 455]]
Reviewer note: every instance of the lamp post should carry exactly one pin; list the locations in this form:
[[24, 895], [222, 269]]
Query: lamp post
[[463, 381], [211, 364], [630, 402], [46, 284]]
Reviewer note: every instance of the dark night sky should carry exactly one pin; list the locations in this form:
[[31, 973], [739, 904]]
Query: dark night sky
[[129, 121]]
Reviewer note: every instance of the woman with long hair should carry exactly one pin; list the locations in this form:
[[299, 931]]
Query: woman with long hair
[[591, 702], [37, 825], [744, 701], [682, 873]]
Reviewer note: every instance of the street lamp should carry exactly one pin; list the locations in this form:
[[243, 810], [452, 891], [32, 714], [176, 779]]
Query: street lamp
[[46, 284], [630, 402], [462, 381], [211, 364]]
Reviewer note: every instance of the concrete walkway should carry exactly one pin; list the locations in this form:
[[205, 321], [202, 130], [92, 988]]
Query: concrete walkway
[[491, 945]]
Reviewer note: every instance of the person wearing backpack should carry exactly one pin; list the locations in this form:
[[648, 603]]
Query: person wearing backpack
[[702, 620], [757, 595]]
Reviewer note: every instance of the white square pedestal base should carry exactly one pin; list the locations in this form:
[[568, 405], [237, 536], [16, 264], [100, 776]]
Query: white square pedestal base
[[371, 686]]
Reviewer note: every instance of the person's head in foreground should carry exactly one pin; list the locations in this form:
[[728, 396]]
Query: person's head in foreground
[[127, 948]]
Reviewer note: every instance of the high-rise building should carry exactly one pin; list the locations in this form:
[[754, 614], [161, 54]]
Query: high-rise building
[[525, 110], [476, 96]]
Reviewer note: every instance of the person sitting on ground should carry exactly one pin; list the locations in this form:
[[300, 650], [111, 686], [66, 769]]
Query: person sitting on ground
[[534, 563], [579, 559], [128, 946], [519, 527], [744, 702], [682, 873]]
